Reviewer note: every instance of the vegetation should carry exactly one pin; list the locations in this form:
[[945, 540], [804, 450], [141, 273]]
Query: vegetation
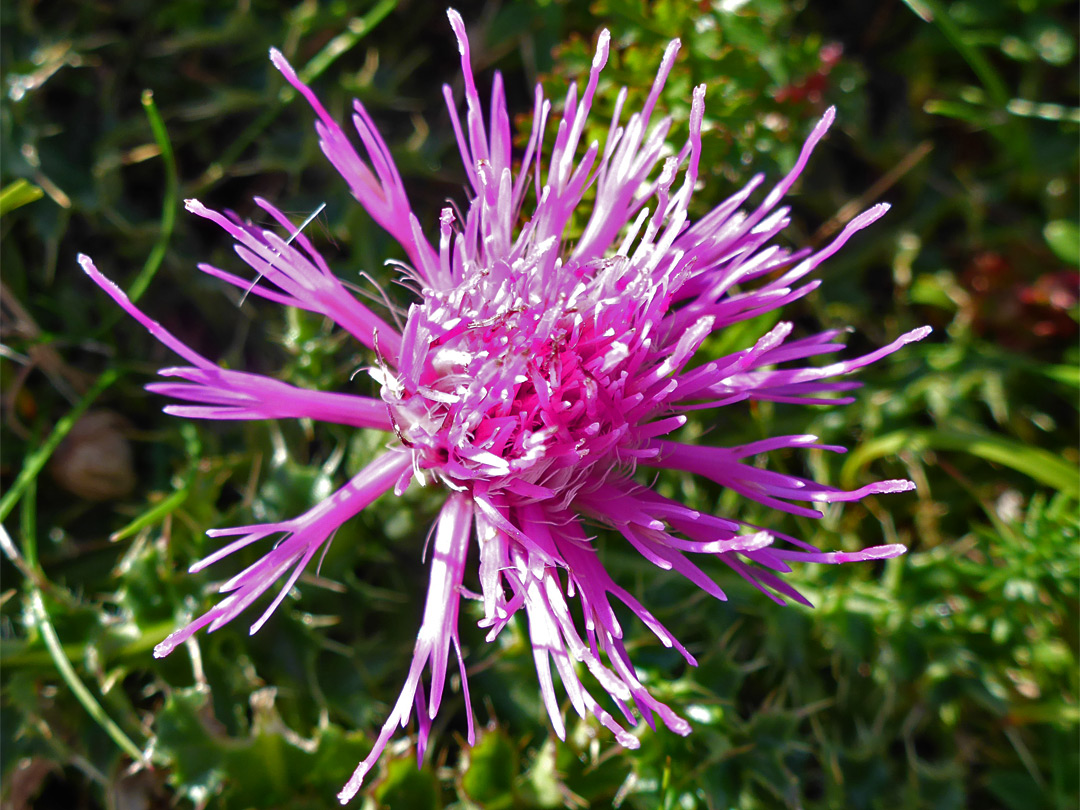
[[947, 678]]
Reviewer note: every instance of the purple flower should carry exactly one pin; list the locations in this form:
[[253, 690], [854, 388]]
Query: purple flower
[[531, 380]]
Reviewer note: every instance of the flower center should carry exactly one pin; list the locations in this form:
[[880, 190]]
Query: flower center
[[509, 386]]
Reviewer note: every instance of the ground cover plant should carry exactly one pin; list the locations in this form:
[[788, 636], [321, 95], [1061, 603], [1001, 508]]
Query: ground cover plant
[[946, 678]]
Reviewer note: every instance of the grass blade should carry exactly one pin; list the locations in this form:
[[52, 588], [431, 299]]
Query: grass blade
[[1034, 462], [36, 461], [169, 203]]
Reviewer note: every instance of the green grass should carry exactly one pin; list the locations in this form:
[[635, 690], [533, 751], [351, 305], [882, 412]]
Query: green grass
[[947, 678]]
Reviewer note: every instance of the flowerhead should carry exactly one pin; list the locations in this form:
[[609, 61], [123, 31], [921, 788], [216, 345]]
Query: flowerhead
[[533, 377]]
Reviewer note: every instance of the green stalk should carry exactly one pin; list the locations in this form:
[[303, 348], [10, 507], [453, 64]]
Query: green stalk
[[359, 27], [71, 678], [168, 205], [1034, 462], [36, 461], [28, 527]]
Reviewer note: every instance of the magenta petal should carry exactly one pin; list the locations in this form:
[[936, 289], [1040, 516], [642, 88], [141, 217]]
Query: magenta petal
[[151, 326], [438, 630], [305, 535], [240, 395]]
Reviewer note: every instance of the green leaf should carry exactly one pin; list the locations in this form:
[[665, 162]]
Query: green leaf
[[1034, 462], [960, 110], [17, 194], [289, 771], [407, 787], [1063, 237], [183, 738], [1013, 789], [492, 765], [1069, 375]]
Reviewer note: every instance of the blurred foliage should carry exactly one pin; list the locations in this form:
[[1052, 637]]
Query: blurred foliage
[[944, 679]]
